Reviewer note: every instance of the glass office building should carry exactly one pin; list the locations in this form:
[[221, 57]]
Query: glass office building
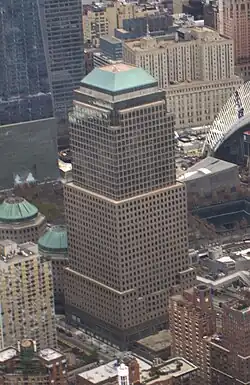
[[26, 112], [24, 83]]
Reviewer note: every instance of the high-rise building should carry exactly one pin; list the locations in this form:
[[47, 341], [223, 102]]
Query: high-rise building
[[26, 291], [192, 319], [188, 66], [25, 92], [234, 23], [64, 36], [25, 366], [28, 129], [230, 351], [126, 214]]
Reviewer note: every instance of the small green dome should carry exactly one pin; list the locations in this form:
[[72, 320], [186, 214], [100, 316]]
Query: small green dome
[[16, 209], [54, 240]]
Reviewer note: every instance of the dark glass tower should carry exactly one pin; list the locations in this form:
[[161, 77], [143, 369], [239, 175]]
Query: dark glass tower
[[63, 25], [24, 84], [28, 131]]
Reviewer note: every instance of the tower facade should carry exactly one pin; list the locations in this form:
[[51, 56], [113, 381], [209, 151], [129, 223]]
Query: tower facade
[[192, 319], [234, 23], [230, 351], [53, 246], [24, 83], [126, 214], [64, 36], [28, 128], [27, 303], [187, 65]]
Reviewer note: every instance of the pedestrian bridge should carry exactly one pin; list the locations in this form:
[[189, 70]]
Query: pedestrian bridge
[[234, 116]]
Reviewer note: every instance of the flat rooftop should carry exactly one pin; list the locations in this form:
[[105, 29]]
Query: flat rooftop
[[157, 342], [206, 166], [10, 251], [50, 354], [174, 367], [109, 370], [111, 40], [7, 354], [163, 42]]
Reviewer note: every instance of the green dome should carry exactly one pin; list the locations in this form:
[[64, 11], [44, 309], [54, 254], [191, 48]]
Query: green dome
[[54, 240], [16, 209]]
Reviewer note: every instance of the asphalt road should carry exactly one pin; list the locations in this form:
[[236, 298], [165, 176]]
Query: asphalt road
[[75, 341]]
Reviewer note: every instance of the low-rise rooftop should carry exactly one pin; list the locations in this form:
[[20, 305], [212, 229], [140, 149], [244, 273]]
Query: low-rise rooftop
[[12, 252], [50, 354], [175, 367], [193, 33], [158, 341], [109, 370], [206, 166], [111, 40], [7, 354]]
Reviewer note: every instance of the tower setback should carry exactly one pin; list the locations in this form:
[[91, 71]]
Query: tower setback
[[126, 214]]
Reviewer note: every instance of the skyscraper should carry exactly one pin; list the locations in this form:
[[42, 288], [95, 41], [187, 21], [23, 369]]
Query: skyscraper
[[126, 214], [24, 89], [27, 126], [62, 20]]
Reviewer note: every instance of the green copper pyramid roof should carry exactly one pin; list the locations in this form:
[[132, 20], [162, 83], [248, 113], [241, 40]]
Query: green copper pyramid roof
[[16, 209], [118, 78], [54, 240]]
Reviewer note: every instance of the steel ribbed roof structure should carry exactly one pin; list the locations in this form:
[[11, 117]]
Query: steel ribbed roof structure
[[228, 121]]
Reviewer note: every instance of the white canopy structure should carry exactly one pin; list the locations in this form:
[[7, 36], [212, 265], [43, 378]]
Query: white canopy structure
[[235, 114]]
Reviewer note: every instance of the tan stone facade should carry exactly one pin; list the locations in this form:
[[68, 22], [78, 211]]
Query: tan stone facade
[[234, 23], [195, 67], [197, 103]]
